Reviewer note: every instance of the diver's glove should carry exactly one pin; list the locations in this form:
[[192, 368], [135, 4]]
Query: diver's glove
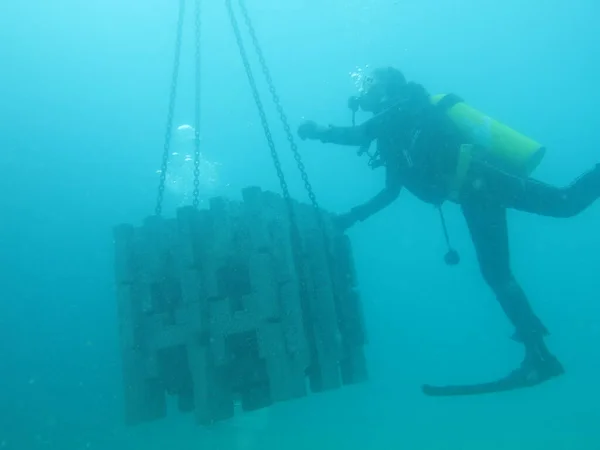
[[310, 130]]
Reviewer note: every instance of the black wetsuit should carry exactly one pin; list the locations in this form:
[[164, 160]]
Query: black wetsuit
[[420, 151]]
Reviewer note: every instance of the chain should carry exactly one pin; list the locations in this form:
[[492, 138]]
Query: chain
[[196, 194], [285, 122], [277, 101], [296, 240], [259, 105], [290, 137], [172, 98]]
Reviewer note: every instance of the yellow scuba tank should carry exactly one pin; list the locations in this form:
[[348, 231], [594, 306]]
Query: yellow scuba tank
[[509, 149]]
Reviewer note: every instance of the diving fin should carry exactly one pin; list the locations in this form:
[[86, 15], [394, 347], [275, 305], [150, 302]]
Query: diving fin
[[518, 379]]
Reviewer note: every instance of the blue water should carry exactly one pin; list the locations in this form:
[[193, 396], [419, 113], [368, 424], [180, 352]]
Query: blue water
[[83, 101]]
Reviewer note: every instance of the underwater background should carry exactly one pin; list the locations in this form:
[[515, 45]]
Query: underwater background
[[83, 100]]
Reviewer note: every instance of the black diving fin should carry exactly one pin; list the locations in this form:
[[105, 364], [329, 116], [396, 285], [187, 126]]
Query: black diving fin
[[518, 379]]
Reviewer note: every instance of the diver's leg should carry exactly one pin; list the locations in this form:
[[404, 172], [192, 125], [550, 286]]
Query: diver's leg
[[488, 228], [529, 195]]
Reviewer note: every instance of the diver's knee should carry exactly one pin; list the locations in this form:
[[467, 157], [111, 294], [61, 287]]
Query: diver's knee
[[567, 206], [495, 278], [503, 284], [509, 287]]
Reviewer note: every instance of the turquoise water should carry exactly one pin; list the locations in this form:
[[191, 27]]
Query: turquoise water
[[83, 100]]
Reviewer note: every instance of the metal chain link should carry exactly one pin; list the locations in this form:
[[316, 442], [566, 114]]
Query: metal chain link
[[287, 128], [296, 239], [259, 104], [331, 264], [196, 194], [277, 101], [172, 98]]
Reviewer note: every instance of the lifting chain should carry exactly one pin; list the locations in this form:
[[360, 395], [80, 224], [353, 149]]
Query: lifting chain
[[259, 104], [290, 136], [277, 101], [172, 97], [291, 140], [296, 240], [196, 194]]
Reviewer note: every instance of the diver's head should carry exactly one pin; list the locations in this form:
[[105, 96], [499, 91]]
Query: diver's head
[[382, 88]]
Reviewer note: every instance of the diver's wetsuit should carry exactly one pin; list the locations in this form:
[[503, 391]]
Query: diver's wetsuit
[[420, 153], [486, 195]]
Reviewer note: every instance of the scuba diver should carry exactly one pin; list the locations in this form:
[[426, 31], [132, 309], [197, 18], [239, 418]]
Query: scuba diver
[[441, 149]]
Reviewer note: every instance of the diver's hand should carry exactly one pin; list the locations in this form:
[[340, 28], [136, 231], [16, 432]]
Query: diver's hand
[[309, 130], [344, 221]]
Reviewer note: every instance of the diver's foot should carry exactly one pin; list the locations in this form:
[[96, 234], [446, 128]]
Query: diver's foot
[[536, 371]]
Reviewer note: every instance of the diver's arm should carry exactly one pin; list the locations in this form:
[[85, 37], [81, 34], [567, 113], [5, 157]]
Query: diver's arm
[[380, 201], [363, 134], [353, 136], [356, 136]]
